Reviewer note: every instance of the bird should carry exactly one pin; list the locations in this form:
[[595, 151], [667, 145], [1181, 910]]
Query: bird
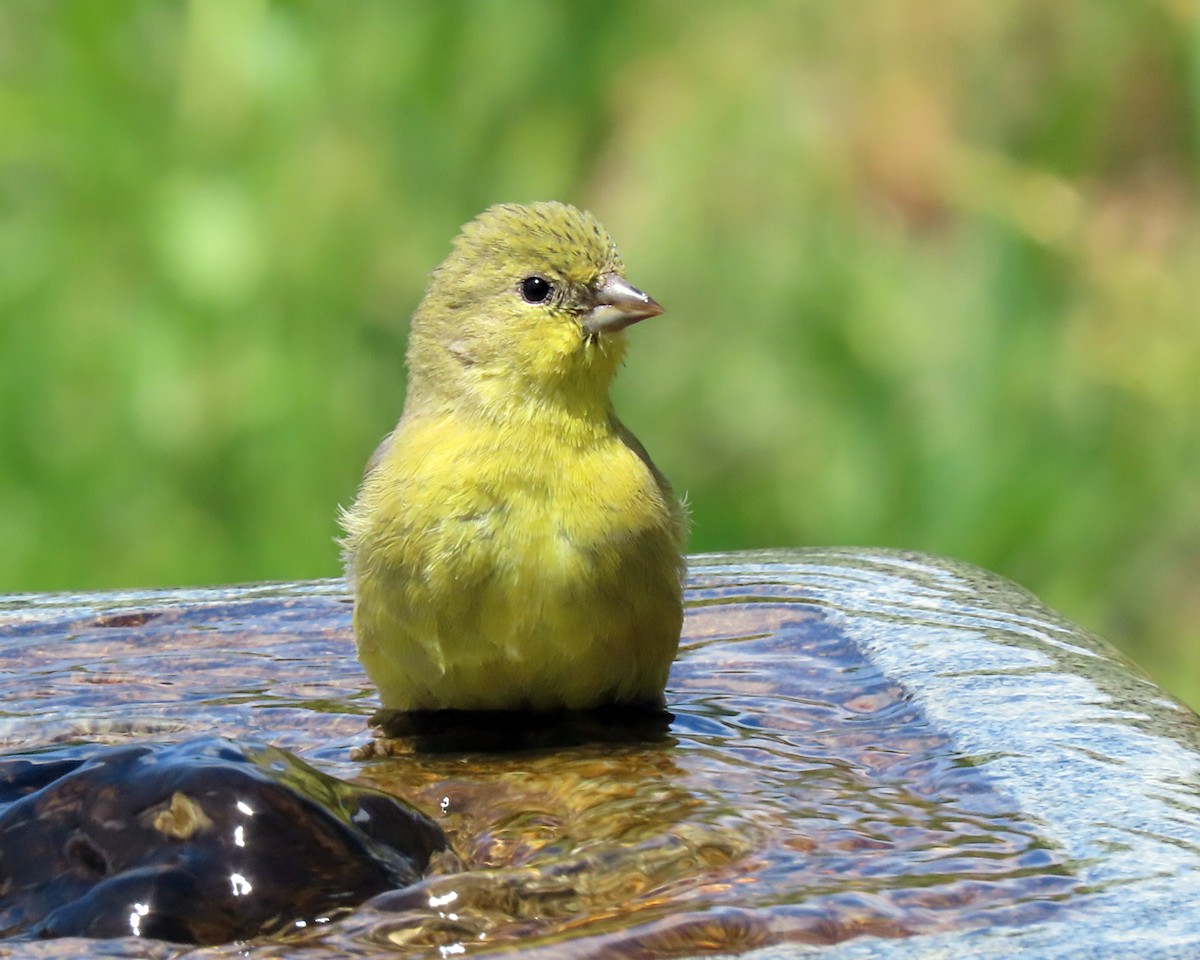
[[512, 546]]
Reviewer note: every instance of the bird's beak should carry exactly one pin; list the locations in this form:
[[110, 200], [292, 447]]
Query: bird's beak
[[616, 304]]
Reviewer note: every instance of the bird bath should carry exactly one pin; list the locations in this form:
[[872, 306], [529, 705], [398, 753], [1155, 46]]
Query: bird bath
[[873, 754]]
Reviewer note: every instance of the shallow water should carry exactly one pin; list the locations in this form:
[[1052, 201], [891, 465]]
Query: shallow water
[[803, 794]]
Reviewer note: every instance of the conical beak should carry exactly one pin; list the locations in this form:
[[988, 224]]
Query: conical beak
[[616, 305]]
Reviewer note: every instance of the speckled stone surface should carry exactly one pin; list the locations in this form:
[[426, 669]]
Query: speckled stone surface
[[1053, 716]]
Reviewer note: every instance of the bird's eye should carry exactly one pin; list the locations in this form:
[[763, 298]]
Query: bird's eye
[[535, 289]]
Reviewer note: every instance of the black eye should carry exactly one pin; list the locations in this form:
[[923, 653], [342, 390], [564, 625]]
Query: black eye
[[535, 289]]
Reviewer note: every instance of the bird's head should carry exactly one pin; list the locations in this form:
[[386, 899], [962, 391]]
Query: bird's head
[[531, 304]]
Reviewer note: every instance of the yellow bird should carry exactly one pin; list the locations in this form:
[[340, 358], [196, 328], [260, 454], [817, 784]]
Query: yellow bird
[[512, 546]]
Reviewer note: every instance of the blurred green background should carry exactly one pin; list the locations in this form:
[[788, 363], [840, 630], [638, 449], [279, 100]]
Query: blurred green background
[[932, 272]]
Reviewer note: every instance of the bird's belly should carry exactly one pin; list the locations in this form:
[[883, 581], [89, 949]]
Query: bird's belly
[[537, 611]]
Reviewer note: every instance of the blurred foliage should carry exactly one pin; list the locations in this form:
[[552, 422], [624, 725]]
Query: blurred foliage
[[932, 272]]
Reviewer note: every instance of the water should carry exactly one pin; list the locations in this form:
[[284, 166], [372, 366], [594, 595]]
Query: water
[[864, 746]]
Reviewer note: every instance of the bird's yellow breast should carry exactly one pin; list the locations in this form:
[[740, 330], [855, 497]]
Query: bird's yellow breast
[[495, 568]]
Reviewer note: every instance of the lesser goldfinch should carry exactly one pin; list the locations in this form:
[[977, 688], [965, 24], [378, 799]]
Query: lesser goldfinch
[[512, 546]]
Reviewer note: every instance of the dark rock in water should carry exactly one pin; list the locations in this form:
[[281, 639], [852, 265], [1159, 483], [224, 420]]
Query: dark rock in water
[[204, 841]]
